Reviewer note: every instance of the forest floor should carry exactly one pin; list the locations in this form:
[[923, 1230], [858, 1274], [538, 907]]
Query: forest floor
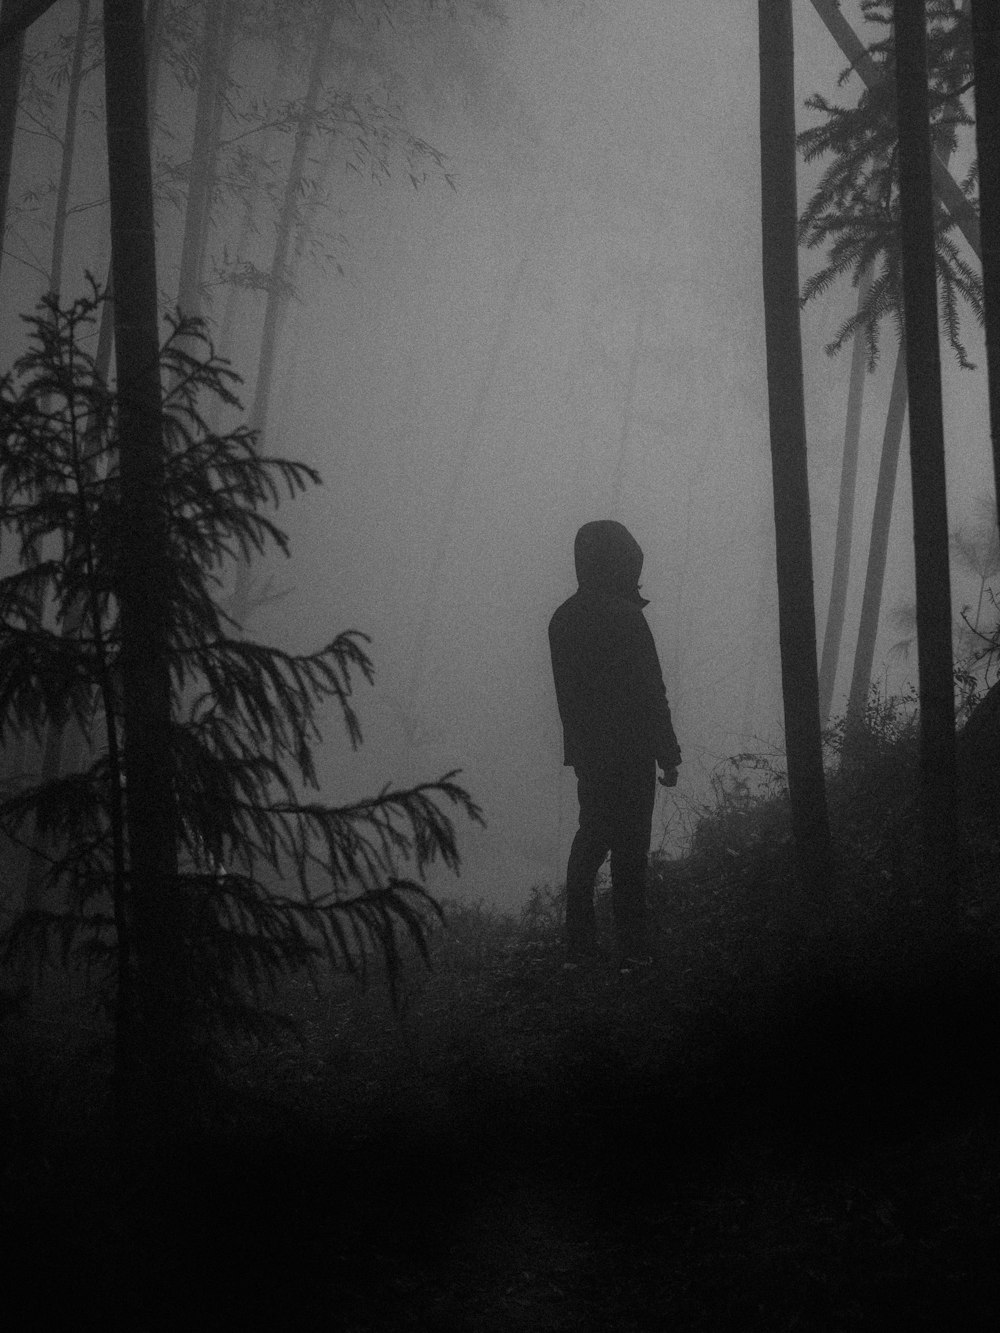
[[765, 1130]]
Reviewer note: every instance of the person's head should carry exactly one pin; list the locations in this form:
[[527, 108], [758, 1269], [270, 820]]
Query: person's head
[[608, 559]]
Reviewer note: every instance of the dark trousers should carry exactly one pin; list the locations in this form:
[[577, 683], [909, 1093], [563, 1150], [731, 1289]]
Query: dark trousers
[[616, 816]]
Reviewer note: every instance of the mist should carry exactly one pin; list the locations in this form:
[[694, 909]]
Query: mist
[[555, 317]]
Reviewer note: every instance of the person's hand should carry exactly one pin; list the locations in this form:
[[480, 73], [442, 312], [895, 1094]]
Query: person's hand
[[668, 778]]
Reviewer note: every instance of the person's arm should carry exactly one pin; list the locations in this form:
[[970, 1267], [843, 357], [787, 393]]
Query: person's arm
[[665, 744]]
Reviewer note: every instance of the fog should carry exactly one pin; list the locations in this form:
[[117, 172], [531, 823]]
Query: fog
[[567, 327]]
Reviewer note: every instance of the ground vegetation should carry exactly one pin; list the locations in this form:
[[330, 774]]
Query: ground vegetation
[[719, 1141]]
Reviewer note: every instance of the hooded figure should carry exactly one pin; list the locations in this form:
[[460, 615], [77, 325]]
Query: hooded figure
[[616, 730]]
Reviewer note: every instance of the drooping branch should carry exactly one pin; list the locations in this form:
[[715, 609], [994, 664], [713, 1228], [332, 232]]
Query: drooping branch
[[949, 191]]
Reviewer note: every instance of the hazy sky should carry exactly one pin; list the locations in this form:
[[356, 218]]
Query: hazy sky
[[574, 332]]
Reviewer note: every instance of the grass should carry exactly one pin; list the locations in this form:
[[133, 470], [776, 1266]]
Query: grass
[[768, 1129]]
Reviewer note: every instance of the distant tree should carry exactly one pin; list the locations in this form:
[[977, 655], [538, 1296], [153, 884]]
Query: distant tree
[[930, 510], [845, 519], [793, 536], [853, 215], [986, 60], [11, 56], [266, 880], [878, 548]]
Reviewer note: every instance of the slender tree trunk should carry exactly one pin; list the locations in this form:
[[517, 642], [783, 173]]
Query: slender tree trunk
[[150, 1034], [871, 603], [628, 408], [68, 149], [930, 510], [10, 84], [864, 655], [793, 537], [986, 45], [470, 435], [845, 518], [280, 272], [303, 234], [204, 150]]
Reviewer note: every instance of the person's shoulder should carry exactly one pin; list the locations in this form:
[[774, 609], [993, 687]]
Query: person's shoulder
[[564, 611]]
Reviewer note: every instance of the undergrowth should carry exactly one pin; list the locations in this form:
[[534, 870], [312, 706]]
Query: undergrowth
[[748, 1134]]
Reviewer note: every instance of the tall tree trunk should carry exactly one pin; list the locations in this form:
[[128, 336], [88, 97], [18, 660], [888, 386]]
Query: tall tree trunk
[[845, 517], [55, 738], [864, 655], [68, 149], [986, 46], [279, 283], [10, 85], [871, 603], [930, 508], [204, 149], [793, 537], [35, 863], [149, 1033]]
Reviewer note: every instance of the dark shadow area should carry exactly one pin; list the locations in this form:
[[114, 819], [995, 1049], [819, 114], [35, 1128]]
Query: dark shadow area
[[720, 1141]]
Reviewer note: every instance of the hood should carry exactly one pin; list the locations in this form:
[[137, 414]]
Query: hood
[[609, 559]]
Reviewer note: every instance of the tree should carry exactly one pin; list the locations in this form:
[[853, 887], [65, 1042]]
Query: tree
[[217, 42], [986, 54], [845, 520], [267, 881], [878, 547], [151, 826], [793, 537], [854, 213], [954, 197], [930, 511], [11, 55]]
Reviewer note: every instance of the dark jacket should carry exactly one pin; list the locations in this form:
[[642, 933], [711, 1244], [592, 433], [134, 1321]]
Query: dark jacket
[[609, 686]]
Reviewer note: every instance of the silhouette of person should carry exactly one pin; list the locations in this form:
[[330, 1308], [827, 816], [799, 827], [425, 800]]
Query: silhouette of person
[[616, 729]]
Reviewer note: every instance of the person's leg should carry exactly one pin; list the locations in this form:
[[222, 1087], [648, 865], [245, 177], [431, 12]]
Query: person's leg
[[633, 823], [590, 847]]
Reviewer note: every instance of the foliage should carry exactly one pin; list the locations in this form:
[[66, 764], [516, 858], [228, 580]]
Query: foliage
[[975, 550], [272, 880], [853, 214]]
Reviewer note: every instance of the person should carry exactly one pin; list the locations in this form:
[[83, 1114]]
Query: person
[[617, 730]]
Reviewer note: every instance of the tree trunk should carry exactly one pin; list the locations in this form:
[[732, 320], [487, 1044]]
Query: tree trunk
[[950, 192], [930, 510], [204, 149], [10, 86], [149, 1034], [280, 275], [55, 738], [986, 45], [793, 537], [68, 149], [845, 518], [871, 603]]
